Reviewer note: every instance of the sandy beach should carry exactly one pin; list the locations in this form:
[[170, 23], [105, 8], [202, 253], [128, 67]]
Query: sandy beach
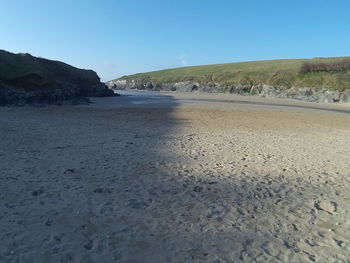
[[176, 177]]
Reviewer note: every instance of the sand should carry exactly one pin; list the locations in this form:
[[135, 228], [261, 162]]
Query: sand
[[180, 182]]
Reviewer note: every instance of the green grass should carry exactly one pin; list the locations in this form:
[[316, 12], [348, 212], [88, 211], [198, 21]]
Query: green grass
[[282, 73], [32, 73]]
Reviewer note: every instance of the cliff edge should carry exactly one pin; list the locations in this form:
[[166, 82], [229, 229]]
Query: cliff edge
[[25, 79], [316, 80]]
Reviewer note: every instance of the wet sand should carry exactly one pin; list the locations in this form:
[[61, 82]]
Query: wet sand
[[175, 178]]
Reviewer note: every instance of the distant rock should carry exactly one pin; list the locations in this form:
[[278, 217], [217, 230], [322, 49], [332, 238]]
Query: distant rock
[[25, 79]]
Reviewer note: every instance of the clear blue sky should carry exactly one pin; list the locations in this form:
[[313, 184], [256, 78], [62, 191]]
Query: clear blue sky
[[122, 37]]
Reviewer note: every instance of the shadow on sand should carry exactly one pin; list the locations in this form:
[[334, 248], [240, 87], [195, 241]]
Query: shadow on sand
[[107, 184]]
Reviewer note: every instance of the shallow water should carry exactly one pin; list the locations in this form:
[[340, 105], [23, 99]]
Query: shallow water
[[155, 99], [138, 93]]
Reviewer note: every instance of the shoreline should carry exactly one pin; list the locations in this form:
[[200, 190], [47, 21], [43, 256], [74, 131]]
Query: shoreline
[[136, 98]]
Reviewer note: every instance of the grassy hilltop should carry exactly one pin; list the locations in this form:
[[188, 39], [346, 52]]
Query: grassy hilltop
[[283, 73], [25, 79], [32, 73]]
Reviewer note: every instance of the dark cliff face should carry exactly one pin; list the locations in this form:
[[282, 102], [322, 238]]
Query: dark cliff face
[[25, 79]]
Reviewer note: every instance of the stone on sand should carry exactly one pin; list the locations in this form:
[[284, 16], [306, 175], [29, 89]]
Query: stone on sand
[[326, 206]]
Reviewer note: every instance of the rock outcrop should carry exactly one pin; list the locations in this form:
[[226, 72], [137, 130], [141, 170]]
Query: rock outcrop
[[311, 94], [25, 79]]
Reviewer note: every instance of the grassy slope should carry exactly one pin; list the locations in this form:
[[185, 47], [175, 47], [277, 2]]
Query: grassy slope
[[284, 73], [14, 67]]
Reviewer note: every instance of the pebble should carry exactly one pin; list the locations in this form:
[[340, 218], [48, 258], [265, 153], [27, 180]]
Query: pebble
[[69, 171], [198, 189], [37, 192], [101, 190], [327, 206], [48, 222], [88, 246]]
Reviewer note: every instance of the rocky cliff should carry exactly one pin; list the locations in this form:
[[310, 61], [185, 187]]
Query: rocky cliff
[[312, 94], [316, 79], [25, 79]]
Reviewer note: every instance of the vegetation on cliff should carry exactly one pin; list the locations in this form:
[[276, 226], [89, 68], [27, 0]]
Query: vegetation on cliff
[[281, 73], [27, 79]]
